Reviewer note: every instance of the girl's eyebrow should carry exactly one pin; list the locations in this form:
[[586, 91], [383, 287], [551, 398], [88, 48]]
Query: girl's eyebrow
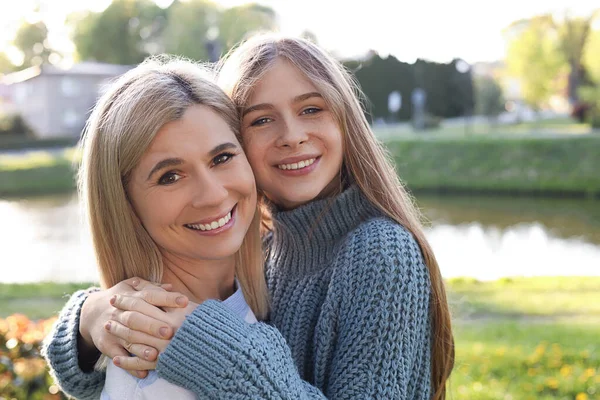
[[256, 107], [267, 106], [306, 96]]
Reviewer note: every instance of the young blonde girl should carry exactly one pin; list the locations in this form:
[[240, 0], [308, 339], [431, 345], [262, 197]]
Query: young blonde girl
[[358, 306]]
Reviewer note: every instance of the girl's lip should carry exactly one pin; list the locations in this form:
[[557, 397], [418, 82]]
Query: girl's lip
[[299, 171], [291, 160]]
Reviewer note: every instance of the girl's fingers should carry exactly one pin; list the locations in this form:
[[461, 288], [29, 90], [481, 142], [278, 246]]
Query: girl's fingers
[[114, 349], [135, 337], [162, 298], [142, 351], [134, 365], [136, 304], [141, 284], [142, 323]]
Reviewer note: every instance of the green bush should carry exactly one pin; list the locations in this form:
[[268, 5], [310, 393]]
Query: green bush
[[23, 372], [14, 124], [524, 165]]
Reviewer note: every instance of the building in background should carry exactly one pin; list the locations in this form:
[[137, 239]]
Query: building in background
[[56, 102]]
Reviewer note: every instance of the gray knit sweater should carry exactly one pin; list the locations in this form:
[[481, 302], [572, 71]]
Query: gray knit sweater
[[349, 318]]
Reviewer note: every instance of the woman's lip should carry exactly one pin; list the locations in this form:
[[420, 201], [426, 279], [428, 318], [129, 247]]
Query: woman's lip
[[220, 229], [291, 160], [208, 220]]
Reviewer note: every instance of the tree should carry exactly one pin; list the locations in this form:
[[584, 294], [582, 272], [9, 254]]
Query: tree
[[32, 41], [534, 56], [591, 57], [310, 36], [574, 34], [6, 65], [543, 47], [125, 33], [198, 29], [190, 26], [489, 100], [238, 22]]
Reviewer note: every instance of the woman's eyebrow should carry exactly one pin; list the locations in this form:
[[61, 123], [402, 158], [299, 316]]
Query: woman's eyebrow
[[172, 162], [167, 162], [222, 147]]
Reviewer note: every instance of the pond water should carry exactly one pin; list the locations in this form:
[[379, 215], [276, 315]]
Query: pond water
[[43, 238]]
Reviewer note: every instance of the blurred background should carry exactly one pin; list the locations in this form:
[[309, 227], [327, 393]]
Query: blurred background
[[490, 110]]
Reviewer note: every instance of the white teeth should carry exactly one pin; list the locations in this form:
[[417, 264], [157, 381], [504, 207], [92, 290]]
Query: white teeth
[[301, 164], [213, 225]]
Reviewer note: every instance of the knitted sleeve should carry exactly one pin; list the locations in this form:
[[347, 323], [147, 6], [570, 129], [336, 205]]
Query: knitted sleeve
[[381, 347], [217, 355], [383, 329], [60, 351]]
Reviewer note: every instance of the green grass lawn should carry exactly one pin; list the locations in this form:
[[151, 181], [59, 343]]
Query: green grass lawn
[[38, 172], [36, 300], [526, 338], [516, 339]]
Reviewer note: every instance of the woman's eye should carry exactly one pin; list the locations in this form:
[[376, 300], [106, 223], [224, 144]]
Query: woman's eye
[[169, 178], [311, 110], [260, 121], [223, 158]]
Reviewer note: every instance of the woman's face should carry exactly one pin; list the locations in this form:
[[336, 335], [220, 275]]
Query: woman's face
[[193, 189], [292, 139]]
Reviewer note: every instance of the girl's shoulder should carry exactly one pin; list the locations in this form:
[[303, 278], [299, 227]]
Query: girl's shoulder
[[384, 243], [381, 231]]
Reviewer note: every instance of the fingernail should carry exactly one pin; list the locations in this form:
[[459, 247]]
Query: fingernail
[[117, 361], [107, 326], [140, 374], [112, 300], [147, 354], [163, 331], [180, 301], [135, 282]]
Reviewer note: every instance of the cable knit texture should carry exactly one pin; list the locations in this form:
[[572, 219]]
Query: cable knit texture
[[349, 316], [60, 351]]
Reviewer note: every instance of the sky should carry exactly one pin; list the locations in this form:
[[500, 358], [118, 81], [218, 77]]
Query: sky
[[437, 30]]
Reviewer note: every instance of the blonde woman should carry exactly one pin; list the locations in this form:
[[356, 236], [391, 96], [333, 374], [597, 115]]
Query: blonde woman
[[358, 305], [170, 197]]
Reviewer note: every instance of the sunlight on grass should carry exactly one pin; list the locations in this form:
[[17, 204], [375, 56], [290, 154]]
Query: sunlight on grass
[[35, 159], [523, 361]]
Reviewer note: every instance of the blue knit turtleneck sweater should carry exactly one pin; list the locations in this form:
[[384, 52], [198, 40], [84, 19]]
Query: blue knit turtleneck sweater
[[349, 318]]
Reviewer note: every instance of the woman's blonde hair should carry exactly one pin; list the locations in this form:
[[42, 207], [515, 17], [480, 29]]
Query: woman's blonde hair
[[120, 129], [366, 162]]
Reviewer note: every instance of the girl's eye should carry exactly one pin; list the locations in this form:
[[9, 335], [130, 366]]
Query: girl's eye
[[223, 158], [260, 121], [169, 178], [311, 110]]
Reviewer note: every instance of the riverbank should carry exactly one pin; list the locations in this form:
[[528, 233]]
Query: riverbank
[[534, 166], [543, 346], [561, 165]]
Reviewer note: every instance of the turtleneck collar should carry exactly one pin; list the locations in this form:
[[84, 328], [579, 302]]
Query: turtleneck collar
[[324, 221]]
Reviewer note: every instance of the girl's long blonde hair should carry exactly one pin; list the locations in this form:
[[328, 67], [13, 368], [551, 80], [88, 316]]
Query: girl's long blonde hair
[[121, 127], [366, 162]]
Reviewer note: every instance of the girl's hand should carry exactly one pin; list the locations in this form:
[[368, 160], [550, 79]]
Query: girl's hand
[[144, 329], [98, 316]]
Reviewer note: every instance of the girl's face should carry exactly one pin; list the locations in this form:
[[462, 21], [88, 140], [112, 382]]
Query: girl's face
[[292, 139], [193, 189]]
